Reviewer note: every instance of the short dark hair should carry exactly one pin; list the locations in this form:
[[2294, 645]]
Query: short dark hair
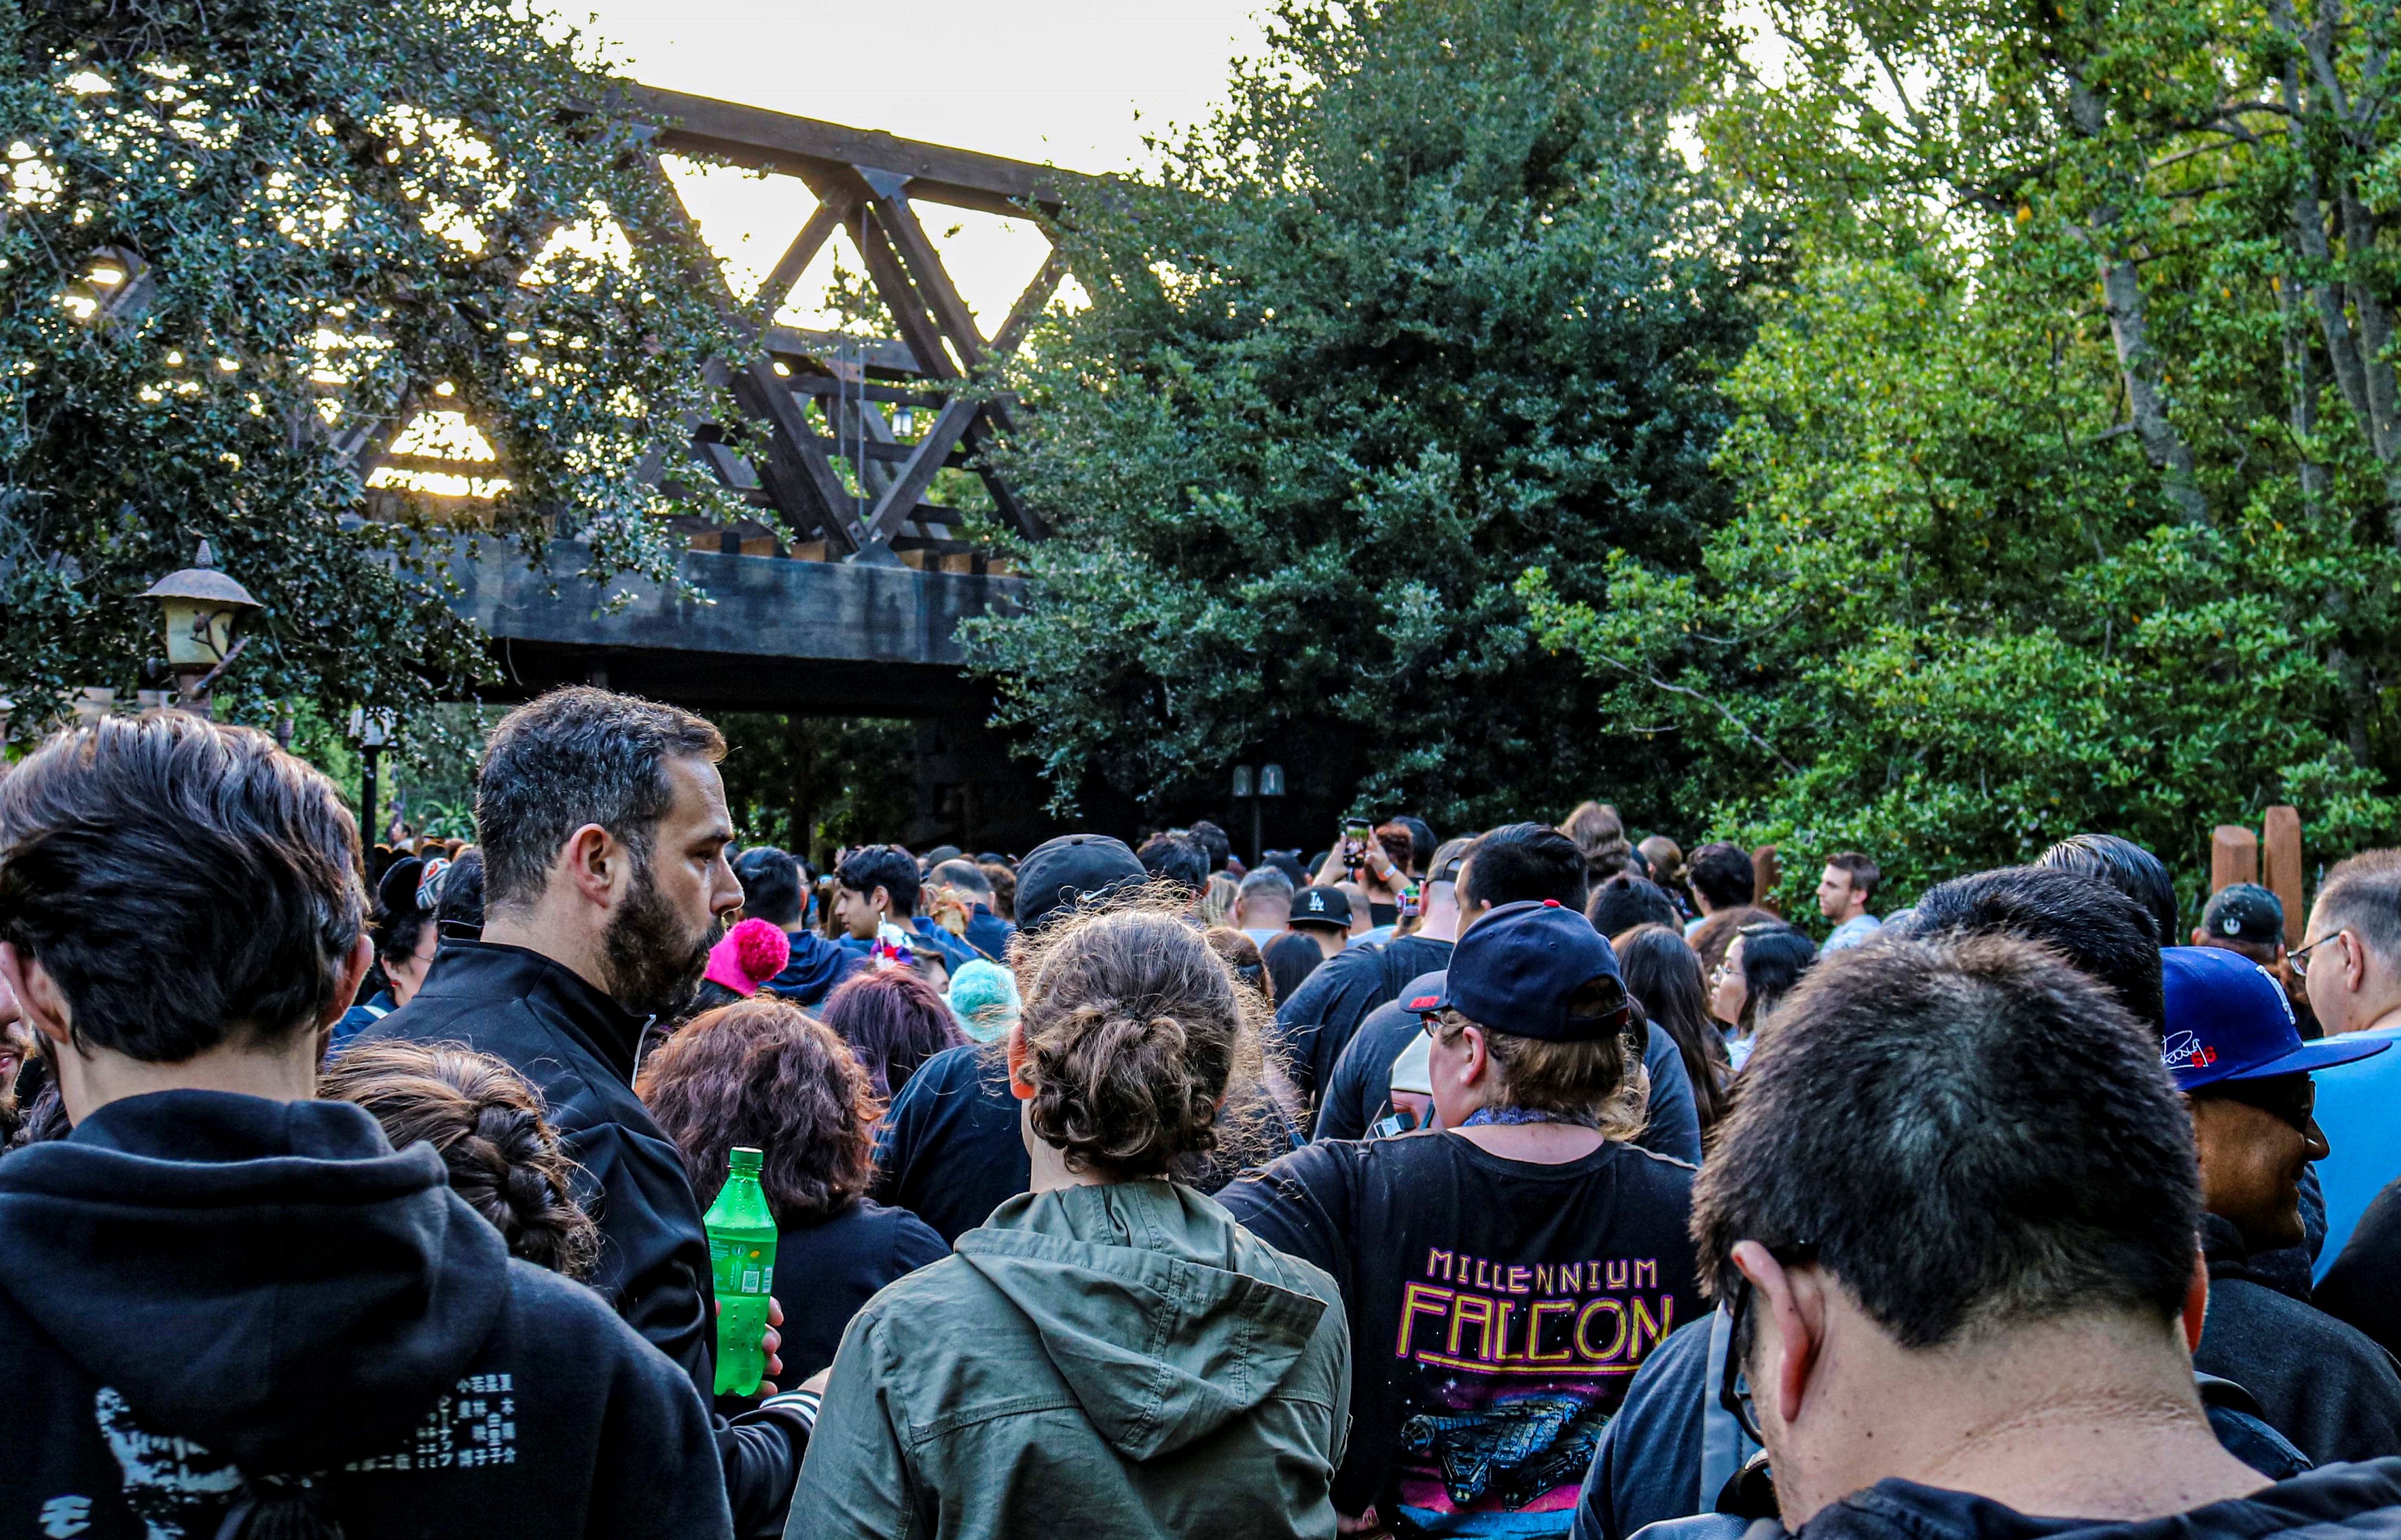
[[2363, 894], [2033, 1160], [1627, 900], [964, 875], [2096, 928], [460, 910], [1774, 957], [576, 756], [1521, 863], [1723, 874], [2126, 866], [1214, 843], [771, 885], [885, 866], [1177, 857], [1422, 844], [1862, 869], [166, 840]]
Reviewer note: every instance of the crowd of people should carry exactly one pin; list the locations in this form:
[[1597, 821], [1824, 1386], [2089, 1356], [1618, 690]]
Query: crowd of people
[[1541, 1180]]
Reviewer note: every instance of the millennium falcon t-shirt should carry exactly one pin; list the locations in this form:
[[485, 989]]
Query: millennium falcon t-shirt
[[1498, 1309]]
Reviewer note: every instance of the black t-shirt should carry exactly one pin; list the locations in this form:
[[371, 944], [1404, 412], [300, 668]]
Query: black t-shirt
[[1315, 1023], [950, 1150], [1291, 959], [1360, 1091], [826, 1271], [1498, 1309]]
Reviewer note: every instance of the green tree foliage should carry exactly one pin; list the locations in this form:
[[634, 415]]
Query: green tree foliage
[[2066, 459], [240, 242], [1429, 298], [813, 785]]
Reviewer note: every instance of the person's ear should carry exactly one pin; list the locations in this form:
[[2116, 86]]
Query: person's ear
[[1020, 1085], [881, 900], [2354, 961], [45, 1008], [592, 858], [1475, 1058], [2196, 1300], [354, 968], [1794, 1301]]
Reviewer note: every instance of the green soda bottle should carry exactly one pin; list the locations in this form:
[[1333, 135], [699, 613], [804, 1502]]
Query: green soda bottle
[[742, 1258]]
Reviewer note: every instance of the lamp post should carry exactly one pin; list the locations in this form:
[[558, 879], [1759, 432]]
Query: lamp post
[[373, 731], [1268, 783], [203, 610]]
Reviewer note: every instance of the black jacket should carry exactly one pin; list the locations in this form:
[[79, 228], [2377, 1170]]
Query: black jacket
[[2319, 1382], [2363, 1502], [1315, 1024], [200, 1291], [577, 1046], [2363, 1285]]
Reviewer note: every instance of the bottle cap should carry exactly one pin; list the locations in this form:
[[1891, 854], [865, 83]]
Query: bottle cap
[[747, 1159]]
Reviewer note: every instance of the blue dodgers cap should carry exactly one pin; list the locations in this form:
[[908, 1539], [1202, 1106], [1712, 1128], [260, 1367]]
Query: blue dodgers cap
[[2227, 1020], [1518, 968]]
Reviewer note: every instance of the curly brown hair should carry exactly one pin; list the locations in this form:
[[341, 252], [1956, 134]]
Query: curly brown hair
[[1135, 1031], [766, 1075], [487, 1123]]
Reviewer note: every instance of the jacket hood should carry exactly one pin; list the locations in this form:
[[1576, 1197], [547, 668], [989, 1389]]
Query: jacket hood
[[1137, 1293], [266, 1279], [2229, 1259], [2360, 1500]]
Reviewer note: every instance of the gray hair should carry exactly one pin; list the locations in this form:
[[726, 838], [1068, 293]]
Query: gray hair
[[2363, 895], [574, 756], [1267, 880]]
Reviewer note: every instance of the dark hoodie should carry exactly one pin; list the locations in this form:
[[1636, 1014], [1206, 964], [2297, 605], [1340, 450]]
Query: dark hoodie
[[202, 1292], [2362, 1502], [818, 964], [1121, 1361], [2319, 1382], [577, 1046]]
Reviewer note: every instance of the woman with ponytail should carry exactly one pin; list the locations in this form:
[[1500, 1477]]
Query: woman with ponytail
[[1110, 1342], [486, 1121]]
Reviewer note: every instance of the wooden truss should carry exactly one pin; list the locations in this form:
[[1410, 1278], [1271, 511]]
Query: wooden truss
[[818, 401]]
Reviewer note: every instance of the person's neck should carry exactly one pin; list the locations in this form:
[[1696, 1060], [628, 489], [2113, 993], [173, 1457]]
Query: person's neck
[[2387, 1015], [1536, 1143], [90, 1080], [1440, 924], [545, 929], [2090, 1418], [1051, 1173]]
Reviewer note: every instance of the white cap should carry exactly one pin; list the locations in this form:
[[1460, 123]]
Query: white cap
[[1412, 1070]]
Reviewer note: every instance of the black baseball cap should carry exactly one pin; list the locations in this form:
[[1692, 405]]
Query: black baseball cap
[[2245, 912], [1057, 874], [1322, 906], [1518, 968]]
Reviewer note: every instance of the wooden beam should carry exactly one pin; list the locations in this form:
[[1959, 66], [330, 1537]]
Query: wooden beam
[[877, 354], [918, 475], [796, 471], [2233, 857], [2284, 868], [900, 298], [933, 281], [1028, 308], [781, 141], [815, 231]]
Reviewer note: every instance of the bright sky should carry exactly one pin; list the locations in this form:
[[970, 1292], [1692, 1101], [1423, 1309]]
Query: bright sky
[[1075, 83]]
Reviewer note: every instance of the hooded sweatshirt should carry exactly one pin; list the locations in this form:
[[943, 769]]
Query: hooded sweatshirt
[[205, 1295], [1120, 1360], [2321, 1383], [2360, 1501]]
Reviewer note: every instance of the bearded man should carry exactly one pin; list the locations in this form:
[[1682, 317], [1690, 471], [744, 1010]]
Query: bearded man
[[604, 832]]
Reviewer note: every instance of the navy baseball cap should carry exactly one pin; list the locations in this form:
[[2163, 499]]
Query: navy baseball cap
[[2245, 912], [2227, 1020], [1322, 906], [1516, 969], [1059, 874]]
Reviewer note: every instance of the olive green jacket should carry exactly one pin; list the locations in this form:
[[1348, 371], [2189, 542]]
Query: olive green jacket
[[1094, 1362]]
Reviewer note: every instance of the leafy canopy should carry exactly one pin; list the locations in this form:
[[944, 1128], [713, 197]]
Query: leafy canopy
[[239, 246], [1429, 298]]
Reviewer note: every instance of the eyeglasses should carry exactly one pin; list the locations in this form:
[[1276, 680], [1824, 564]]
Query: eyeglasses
[[1733, 1393], [2300, 959]]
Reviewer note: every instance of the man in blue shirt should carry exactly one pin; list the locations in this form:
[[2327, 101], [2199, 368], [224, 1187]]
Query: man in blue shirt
[[2350, 962]]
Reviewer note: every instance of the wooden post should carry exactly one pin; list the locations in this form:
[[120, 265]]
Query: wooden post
[[1765, 874], [2233, 855], [2284, 868]]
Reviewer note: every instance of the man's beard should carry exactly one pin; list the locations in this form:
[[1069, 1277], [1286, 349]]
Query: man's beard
[[654, 965]]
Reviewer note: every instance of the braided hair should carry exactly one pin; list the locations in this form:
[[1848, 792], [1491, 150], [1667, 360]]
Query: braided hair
[[486, 1121]]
